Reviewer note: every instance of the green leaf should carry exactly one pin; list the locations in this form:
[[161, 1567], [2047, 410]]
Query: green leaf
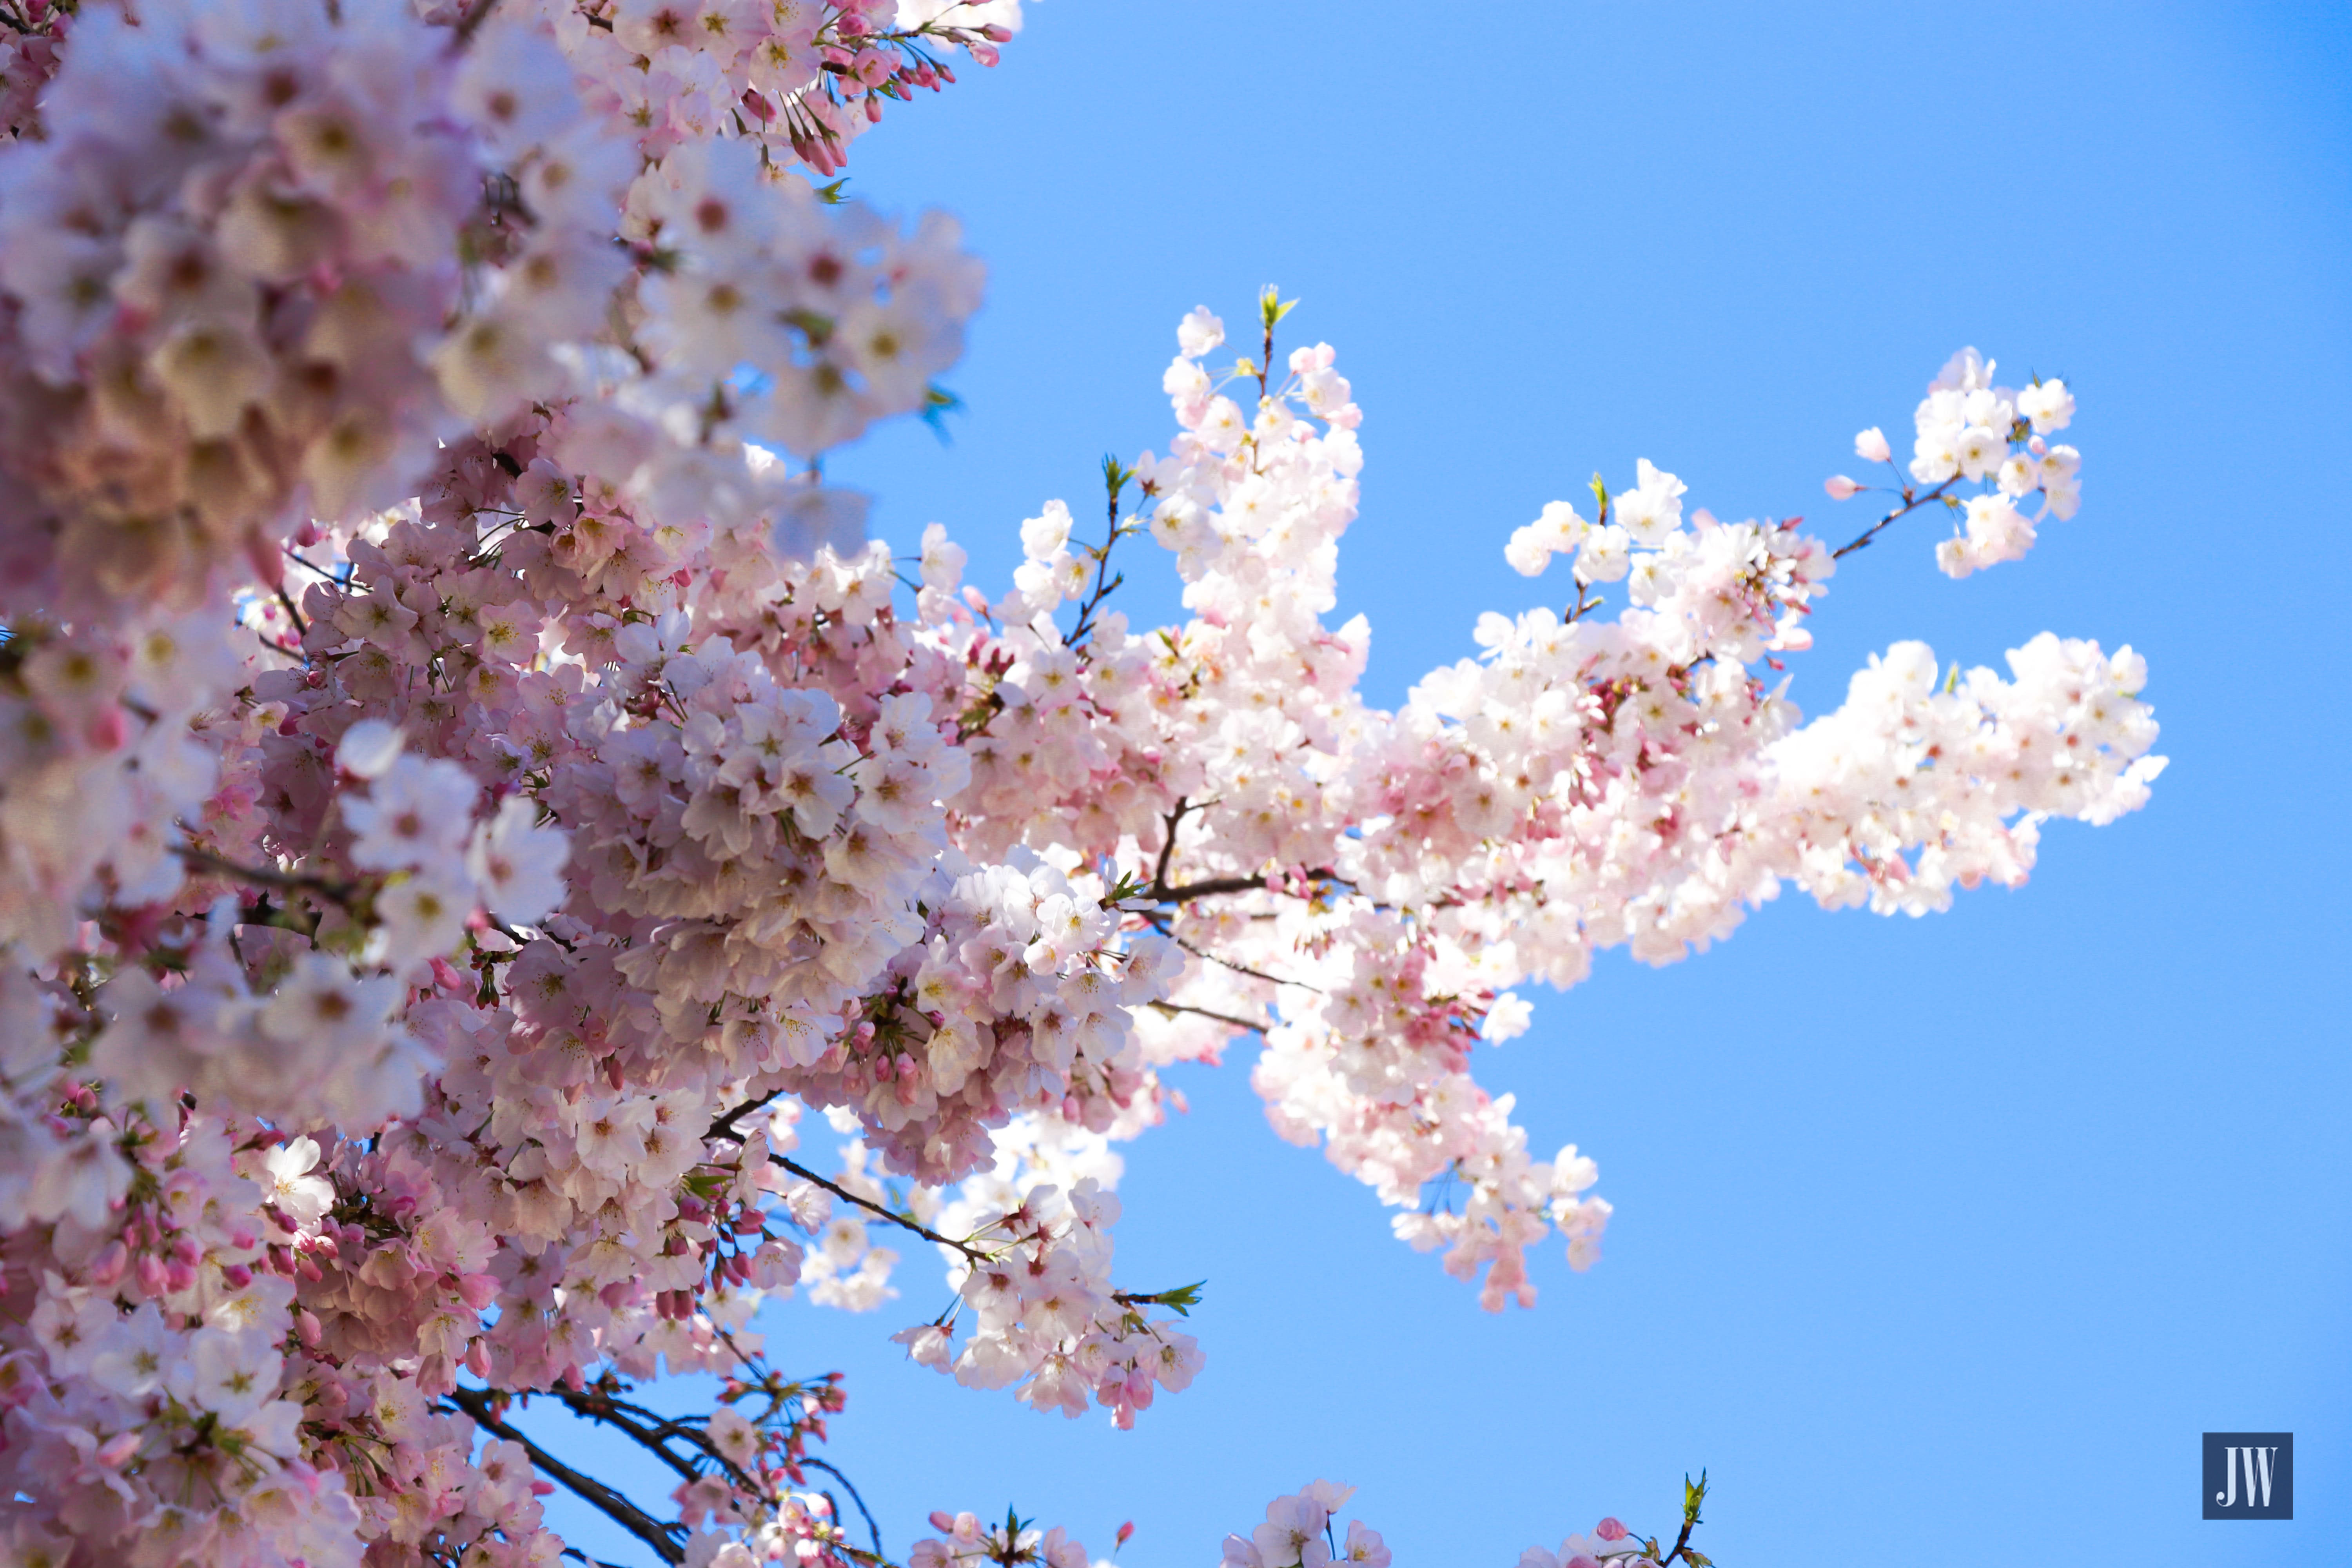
[[1183, 1298], [1114, 476], [1272, 307], [938, 404]]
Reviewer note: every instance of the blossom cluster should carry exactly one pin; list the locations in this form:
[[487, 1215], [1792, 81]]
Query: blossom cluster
[[1970, 429], [269, 259], [235, 268], [801, 79]]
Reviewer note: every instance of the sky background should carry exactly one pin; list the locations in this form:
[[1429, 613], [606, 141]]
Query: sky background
[[1937, 1241]]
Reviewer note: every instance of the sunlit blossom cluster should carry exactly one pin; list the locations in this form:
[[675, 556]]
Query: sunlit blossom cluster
[[1992, 437]]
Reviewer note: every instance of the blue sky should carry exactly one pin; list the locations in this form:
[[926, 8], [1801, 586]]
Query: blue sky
[[1935, 1241]]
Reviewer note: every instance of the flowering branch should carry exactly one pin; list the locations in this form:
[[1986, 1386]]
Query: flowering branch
[[1911, 503]]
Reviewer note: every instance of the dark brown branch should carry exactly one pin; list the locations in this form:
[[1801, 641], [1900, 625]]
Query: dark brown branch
[[725, 1126], [1208, 888], [477, 1403], [1911, 503], [1211, 887], [627, 1417], [302, 627], [266, 876], [1167, 844]]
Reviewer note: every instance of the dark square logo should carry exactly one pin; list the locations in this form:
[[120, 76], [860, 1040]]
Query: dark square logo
[[2249, 1474]]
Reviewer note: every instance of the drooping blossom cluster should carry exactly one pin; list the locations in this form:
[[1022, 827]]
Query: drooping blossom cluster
[[469, 791]]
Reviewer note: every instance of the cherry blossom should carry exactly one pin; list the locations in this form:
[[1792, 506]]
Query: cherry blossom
[[476, 810]]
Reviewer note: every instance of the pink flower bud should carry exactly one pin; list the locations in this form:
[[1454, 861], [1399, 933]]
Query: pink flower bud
[[116, 1449], [1839, 486], [1871, 446], [1610, 1529], [109, 1265], [149, 1271]]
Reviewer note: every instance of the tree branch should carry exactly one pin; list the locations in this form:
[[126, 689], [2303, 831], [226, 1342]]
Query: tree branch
[[1167, 844], [266, 876], [479, 1404]]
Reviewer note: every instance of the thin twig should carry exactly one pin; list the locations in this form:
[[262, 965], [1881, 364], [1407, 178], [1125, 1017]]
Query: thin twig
[[868, 1205], [873, 1530], [1171, 1008], [1203, 953], [1911, 503]]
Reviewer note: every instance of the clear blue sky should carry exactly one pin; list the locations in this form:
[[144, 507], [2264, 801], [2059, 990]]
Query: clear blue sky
[[1937, 1241]]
